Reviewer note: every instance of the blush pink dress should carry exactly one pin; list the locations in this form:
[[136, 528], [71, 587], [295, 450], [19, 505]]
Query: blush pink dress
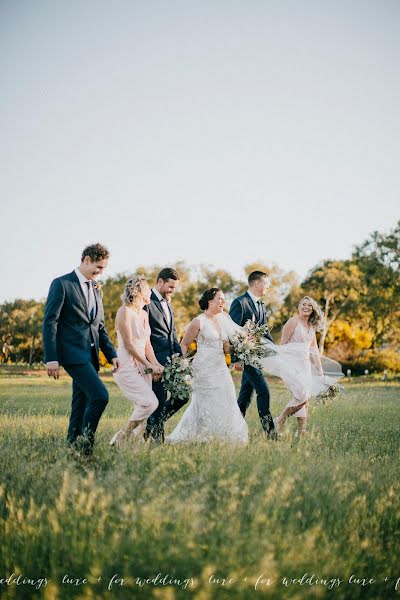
[[130, 377]]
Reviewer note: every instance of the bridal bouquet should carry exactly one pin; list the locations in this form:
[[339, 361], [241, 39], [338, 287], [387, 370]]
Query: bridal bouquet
[[177, 377], [249, 346]]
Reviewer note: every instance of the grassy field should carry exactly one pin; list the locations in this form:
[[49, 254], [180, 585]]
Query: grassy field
[[200, 521]]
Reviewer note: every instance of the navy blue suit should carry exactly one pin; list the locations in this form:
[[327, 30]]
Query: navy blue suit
[[73, 338], [242, 310], [165, 343]]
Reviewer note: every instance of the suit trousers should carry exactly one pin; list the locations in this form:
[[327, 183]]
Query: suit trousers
[[166, 408], [89, 399], [253, 379]]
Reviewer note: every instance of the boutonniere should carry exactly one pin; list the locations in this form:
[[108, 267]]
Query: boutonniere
[[98, 286]]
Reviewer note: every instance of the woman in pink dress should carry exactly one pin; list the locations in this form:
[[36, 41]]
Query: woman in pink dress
[[138, 363], [311, 372]]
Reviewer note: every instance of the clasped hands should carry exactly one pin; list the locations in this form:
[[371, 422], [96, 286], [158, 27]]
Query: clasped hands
[[156, 371]]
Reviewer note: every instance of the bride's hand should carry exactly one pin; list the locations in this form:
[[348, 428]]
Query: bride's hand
[[227, 347]]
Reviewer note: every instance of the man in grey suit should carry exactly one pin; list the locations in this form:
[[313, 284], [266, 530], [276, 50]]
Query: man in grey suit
[[247, 307], [165, 344], [73, 333]]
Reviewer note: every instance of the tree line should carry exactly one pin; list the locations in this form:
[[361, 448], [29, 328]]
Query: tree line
[[360, 297]]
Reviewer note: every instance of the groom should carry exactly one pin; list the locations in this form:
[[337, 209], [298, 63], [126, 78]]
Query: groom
[[165, 344], [250, 307], [73, 332]]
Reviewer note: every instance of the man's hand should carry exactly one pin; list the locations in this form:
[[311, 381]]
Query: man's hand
[[115, 364], [53, 369], [238, 367]]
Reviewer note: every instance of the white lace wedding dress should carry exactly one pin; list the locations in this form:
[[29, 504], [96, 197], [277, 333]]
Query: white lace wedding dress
[[213, 412]]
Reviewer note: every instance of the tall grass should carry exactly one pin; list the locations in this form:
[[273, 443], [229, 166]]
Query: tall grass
[[327, 505]]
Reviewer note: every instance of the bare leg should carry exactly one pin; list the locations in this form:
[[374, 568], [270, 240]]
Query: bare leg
[[287, 412], [301, 424], [130, 429], [135, 428]]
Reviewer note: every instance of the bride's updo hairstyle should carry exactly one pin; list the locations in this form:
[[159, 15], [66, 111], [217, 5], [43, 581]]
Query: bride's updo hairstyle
[[317, 318], [207, 296], [133, 288]]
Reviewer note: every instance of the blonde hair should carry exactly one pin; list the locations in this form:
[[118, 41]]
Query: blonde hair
[[317, 318], [133, 288]]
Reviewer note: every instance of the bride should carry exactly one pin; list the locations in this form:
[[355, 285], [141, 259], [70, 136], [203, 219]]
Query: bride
[[213, 412]]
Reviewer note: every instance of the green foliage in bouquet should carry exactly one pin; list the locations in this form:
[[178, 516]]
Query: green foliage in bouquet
[[177, 377], [249, 344], [332, 392]]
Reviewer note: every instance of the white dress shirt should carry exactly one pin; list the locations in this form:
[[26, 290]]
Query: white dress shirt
[[256, 300], [88, 291], [164, 304]]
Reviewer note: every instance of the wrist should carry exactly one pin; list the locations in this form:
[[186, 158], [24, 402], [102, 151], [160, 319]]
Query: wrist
[[52, 364]]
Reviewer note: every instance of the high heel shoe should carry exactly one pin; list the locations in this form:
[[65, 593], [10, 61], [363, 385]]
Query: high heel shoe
[[116, 440]]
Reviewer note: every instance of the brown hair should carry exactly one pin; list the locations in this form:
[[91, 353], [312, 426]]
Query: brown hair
[[168, 273], [207, 296], [95, 252], [256, 276]]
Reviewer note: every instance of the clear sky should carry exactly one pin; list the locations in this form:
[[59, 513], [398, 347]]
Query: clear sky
[[213, 131]]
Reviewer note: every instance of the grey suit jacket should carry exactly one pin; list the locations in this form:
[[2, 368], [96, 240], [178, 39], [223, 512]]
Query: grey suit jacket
[[69, 334], [163, 336]]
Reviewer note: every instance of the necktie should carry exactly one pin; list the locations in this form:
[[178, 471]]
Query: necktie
[[90, 300], [166, 310], [259, 310]]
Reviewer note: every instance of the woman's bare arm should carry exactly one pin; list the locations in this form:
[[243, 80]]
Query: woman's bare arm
[[315, 357], [123, 324], [288, 330], [191, 333], [150, 354]]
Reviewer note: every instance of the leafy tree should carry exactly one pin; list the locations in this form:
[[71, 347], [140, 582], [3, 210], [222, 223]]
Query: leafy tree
[[21, 327], [346, 341], [378, 259], [339, 287]]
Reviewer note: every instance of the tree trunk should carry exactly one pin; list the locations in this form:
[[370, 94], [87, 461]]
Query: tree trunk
[[31, 351], [322, 340], [325, 329]]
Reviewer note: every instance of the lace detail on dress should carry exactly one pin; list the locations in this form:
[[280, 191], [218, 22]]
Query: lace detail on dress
[[202, 340], [213, 412]]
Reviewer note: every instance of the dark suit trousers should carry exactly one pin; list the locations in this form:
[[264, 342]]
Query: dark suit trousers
[[165, 410], [253, 379], [89, 399]]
